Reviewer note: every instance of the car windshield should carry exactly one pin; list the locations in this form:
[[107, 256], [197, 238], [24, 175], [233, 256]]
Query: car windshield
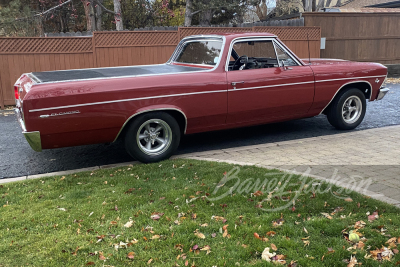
[[202, 52]]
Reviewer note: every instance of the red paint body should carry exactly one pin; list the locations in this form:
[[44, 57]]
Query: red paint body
[[307, 95]]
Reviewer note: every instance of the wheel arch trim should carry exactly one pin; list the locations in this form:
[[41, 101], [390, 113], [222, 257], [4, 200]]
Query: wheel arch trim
[[146, 110], [341, 87]]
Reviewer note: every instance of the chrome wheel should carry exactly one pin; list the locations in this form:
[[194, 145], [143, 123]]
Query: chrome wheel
[[352, 109], [154, 137]]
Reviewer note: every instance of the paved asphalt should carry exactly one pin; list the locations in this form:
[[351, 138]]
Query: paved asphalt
[[18, 159]]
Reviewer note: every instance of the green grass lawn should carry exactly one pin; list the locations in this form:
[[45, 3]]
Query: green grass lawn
[[166, 214]]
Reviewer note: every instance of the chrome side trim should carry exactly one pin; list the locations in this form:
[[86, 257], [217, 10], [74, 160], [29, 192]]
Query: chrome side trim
[[350, 78], [125, 100], [34, 140], [276, 85], [382, 92], [358, 81], [150, 110]]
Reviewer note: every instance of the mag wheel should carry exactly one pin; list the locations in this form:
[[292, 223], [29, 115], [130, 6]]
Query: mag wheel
[[152, 137], [347, 109]]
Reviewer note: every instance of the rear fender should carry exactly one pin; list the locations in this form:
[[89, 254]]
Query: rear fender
[[150, 109]]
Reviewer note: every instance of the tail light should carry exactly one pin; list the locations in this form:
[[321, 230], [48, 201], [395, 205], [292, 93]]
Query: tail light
[[16, 91]]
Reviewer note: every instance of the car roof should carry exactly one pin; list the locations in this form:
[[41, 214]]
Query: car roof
[[233, 35], [246, 34]]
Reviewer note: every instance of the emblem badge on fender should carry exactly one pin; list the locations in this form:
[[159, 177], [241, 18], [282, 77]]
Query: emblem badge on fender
[[60, 114]]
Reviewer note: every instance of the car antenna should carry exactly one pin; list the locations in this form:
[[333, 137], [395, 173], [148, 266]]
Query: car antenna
[[309, 53]]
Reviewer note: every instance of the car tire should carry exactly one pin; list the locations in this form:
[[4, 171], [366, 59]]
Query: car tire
[[347, 110], [152, 137]]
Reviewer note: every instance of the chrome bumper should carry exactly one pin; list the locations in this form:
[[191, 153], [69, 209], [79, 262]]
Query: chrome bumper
[[382, 92], [33, 138]]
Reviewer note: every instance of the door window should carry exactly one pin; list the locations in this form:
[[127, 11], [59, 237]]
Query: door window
[[258, 55]]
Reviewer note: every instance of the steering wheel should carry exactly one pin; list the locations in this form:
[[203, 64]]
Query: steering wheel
[[242, 59]]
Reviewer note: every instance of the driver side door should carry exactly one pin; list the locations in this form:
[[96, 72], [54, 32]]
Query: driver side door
[[263, 90]]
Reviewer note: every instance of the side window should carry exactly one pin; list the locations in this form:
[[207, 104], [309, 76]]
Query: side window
[[253, 55], [285, 57]]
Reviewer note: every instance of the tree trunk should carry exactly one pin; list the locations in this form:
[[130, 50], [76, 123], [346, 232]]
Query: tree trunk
[[262, 10], [188, 13], [99, 12], [90, 19], [205, 17], [118, 15], [308, 7], [320, 4], [328, 3]]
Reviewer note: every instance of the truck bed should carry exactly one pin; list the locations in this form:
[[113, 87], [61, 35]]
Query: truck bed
[[85, 74]]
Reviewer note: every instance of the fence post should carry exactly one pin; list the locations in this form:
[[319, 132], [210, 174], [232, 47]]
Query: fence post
[[94, 51], [1, 98], [178, 33]]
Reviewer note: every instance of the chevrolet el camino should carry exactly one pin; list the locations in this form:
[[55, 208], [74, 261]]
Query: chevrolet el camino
[[211, 82]]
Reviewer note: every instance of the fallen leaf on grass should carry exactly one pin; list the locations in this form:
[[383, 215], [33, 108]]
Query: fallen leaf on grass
[[278, 222], [131, 255], [327, 215], [156, 216], [374, 216], [271, 233], [90, 263], [348, 199], [217, 218], [101, 256], [129, 224], [359, 224], [360, 245], [274, 247], [266, 255], [330, 251], [199, 235], [353, 262], [258, 193], [206, 248], [260, 238]]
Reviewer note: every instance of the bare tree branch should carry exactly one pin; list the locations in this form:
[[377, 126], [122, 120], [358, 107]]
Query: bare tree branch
[[104, 8], [54, 7]]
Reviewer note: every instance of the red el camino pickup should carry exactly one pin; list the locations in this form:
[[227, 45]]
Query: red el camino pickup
[[211, 82]]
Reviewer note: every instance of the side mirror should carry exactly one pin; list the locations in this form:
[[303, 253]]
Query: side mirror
[[284, 67]]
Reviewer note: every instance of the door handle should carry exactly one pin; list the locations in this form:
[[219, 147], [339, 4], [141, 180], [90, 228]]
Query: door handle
[[234, 84]]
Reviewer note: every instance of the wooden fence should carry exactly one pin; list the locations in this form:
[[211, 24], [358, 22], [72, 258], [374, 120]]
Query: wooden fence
[[367, 37], [107, 49]]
